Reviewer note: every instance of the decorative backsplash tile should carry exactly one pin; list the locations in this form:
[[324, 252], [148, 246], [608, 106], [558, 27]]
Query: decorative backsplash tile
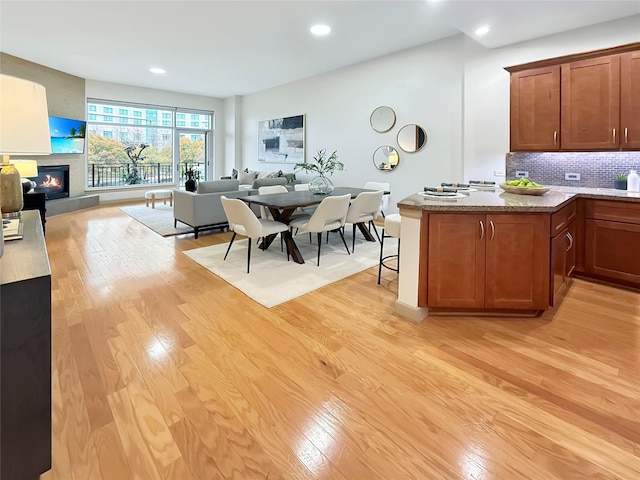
[[596, 169]]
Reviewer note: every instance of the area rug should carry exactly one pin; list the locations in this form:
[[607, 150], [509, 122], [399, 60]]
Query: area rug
[[159, 219], [273, 280]]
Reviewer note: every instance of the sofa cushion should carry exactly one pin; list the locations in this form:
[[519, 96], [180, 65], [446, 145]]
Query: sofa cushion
[[215, 186]]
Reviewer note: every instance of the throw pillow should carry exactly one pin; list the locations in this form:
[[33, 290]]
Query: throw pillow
[[290, 177], [247, 178], [234, 173]]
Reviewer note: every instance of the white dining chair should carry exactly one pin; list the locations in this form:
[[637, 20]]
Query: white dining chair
[[242, 220], [268, 190], [328, 217], [362, 211], [384, 201]]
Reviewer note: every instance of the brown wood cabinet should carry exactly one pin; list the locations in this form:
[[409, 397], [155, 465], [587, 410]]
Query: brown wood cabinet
[[563, 260], [591, 104], [580, 102], [492, 262], [612, 241], [535, 109], [630, 101]]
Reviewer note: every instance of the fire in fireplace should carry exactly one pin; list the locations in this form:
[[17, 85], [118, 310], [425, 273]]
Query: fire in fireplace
[[53, 180]]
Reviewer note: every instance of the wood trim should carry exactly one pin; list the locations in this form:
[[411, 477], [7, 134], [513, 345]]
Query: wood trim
[[423, 266], [575, 57]]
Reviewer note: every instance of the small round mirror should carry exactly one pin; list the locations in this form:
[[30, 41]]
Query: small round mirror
[[386, 158], [383, 119], [412, 138]]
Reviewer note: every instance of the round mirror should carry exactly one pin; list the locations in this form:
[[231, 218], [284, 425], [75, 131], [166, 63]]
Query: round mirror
[[383, 119], [412, 138], [386, 158]]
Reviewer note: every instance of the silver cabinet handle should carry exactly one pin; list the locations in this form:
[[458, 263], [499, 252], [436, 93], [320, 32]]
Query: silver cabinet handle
[[626, 136], [481, 230], [614, 135], [493, 229], [570, 237], [555, 137]]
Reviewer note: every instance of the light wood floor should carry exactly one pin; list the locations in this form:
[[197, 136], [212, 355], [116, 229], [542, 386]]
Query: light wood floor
[[161, 370]]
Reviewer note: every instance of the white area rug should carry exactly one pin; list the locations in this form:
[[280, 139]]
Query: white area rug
[[273, 280], [159, 219]]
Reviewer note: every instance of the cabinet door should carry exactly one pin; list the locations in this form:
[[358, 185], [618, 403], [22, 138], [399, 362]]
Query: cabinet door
[[591, 104], [630, 101], [563, 260], [517, 262], [456, 260], [611, 250], [535, 109]]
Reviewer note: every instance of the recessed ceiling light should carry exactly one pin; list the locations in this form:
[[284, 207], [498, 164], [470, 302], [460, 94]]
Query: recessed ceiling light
[[320, 29], [482, 30], [157, 70]]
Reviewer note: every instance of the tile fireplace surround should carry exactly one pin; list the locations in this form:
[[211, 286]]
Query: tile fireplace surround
[[596, 169]]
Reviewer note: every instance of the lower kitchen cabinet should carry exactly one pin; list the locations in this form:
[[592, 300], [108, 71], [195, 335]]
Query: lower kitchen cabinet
[[488, 261], [612, 241], [563, 260]]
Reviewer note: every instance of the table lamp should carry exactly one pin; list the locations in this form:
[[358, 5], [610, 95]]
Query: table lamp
[[24, 130]]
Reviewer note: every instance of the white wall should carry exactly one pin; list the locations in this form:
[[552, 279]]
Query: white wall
[[423, 85], [127, 93], [457, 90]]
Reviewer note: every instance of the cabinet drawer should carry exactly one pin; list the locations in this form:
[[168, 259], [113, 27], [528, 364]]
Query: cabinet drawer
[[561, 219], [614, 211]]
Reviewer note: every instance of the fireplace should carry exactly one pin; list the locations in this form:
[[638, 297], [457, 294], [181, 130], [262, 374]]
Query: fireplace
[[53, 180]]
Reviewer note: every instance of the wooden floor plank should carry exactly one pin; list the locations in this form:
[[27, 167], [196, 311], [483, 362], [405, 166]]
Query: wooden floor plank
[[162, 370]]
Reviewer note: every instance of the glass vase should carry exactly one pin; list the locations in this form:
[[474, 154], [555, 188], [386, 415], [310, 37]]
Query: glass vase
[[10, 188], [321, 185]]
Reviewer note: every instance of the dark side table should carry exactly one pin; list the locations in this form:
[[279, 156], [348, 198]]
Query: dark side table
[[36, 201]]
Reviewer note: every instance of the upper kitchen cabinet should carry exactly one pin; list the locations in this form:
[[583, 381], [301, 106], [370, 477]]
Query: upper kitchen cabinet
[[583, 102], [591, 104], [535, 109], [630, 100]]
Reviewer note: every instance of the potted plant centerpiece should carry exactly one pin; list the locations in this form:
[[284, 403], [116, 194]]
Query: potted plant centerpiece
[[620, 183], [324, 166], [192, 175]]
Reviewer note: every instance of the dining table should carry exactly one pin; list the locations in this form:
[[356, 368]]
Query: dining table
[[283, 205]]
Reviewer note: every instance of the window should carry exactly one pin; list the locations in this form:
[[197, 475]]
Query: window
[[195, 124], [109, 135]]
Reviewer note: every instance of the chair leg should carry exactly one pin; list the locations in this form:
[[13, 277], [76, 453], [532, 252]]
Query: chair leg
[[344, 241], [230, 243], [353, 243], [248, 255], [398, 256], [175, 222], [319, 245], [381, 250], [371, 222]]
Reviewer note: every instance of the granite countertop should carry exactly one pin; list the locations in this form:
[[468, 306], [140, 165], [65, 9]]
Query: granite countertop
[[501, 201]]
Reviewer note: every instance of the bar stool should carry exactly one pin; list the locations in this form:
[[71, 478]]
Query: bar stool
[[391, 230]]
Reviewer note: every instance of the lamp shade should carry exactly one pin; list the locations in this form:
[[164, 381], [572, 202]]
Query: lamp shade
[[24, 118], [27, 168]]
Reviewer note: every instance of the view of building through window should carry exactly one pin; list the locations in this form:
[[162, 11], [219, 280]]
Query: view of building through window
[[132, 144]]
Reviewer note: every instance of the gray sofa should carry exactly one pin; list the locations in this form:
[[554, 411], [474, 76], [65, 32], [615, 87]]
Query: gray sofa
[[203, 209]]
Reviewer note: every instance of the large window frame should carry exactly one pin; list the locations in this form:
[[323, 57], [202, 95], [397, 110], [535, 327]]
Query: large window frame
[[109, 167]]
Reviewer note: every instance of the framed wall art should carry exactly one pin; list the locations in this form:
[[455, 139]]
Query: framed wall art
[[281, 140]]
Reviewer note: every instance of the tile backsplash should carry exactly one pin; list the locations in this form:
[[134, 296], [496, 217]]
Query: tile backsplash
[[596, 169]]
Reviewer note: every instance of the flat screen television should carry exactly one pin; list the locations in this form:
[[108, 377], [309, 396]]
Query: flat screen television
[[67, 135]]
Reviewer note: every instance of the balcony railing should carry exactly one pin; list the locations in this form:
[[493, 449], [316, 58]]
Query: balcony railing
[[124, 174]]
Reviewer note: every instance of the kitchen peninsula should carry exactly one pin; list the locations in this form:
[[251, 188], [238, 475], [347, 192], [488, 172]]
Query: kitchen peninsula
[[499, 253]]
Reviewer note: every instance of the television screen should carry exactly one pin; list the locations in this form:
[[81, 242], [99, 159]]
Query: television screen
[[67, 136]]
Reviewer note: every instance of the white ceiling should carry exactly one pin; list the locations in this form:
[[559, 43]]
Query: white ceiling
[[225, 48]]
